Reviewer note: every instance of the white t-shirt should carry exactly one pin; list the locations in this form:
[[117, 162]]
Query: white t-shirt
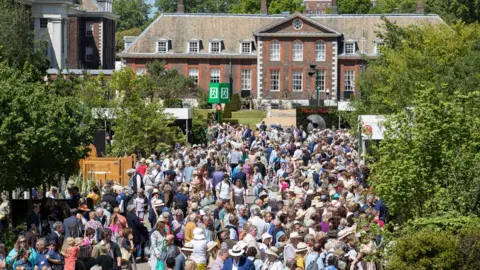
[[238, 191], [223, 190]]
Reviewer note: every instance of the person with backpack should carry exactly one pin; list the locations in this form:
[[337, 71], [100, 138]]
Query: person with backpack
[[314, 260], [224, 189], [73, 225]]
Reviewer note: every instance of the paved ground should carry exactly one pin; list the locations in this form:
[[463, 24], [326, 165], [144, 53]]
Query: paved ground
[[145, 266], [286, 118]]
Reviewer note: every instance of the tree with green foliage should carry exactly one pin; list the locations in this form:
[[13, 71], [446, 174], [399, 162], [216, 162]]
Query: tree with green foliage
[[246, 7], [167, 84], [196, 6], [279, 6], [425, 82], [354, 6], [455, 10], [42, 134], [133, 13], [140, 127], [119, 43], [17, 42], [389, 6]]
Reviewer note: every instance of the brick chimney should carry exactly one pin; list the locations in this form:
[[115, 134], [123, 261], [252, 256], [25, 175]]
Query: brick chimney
[[180, 6], [263, 7], [420, 8], [334, 7]]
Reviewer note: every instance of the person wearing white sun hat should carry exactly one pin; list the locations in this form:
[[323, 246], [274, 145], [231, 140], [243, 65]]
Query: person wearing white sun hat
[[199, 254], [272, 262], [237, 260]]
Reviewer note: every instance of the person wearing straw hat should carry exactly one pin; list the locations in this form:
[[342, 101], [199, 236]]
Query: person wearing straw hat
[[217, 264], [301, 252], [212, 250], [273, 262], [237, 260], [181, 258], [290, 248]]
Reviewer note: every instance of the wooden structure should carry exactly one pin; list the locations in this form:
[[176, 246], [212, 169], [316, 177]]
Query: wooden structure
[[101, 169]]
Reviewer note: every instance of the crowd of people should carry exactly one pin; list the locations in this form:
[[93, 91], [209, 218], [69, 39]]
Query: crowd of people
[[255, 199]]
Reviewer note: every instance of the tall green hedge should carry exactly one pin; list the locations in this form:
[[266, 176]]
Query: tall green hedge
[[235, 103], [227, 111]]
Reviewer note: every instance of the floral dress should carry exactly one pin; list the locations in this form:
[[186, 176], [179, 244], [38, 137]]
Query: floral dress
[[157, 248]]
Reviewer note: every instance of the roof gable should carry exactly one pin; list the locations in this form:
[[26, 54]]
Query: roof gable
[[308, 27]]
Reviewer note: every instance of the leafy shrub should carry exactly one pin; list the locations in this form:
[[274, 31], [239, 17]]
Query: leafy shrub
[[173, 103], [198, 132], [227, 111], [425, 249], [203, 100]]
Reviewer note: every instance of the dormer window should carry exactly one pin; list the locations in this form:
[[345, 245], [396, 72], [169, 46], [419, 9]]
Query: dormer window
[[378, 44], [349, 47], [215, 46], [246, 47], [163, 45], [194, 46]]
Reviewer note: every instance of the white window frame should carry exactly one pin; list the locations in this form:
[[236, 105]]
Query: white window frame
[[89, 32], [43, 23], [320, 80], [194, 74], [349, 81], [246, 44], [165, 42], [320, 51], [215, 75], [246, 79], [190, 43], [346, 47], [219, 43], [297, 51], [378, 45], [275, 77], [87, 50], [275, 50], [297, 80], [140, 71]]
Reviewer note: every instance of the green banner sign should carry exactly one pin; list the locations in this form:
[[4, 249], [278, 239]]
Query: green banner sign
[[219, 93]]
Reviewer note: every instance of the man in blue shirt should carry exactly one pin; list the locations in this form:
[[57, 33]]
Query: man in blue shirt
[[217, 177]]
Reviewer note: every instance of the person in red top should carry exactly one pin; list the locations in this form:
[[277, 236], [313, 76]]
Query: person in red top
[[142, 168]]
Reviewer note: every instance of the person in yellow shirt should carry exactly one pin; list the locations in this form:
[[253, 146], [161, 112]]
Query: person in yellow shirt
[[301, 252], [94, 196], [191, 224]]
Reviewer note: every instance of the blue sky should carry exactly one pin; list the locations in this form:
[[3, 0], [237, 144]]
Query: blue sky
[[153, 10]]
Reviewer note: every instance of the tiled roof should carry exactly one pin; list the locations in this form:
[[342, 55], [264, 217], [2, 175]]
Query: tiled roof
[[232, 28]]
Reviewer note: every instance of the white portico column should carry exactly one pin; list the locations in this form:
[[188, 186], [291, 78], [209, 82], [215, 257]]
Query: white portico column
[[56, 38]]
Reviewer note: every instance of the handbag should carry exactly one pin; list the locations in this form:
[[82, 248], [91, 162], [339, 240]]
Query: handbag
[[125, 254]]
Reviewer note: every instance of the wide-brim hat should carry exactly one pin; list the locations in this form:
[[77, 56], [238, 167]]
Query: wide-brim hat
[[236, 251], [272, 251], [301, 247], [198, 234], [263, 193], [155, 190], [300, 214], [295, 235], [211, 245], [188, 247]]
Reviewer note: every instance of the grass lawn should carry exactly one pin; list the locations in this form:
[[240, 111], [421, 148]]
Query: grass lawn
[[245, 117]]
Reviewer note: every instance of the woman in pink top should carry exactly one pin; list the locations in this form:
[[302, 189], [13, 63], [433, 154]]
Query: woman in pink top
[[70, 251]]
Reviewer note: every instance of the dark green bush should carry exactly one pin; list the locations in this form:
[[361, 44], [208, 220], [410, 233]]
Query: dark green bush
[[227, 112], [235, 103]]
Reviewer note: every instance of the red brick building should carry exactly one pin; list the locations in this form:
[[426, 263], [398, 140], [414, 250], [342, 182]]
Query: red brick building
[[317, 6], [77, 34], [266, 56]]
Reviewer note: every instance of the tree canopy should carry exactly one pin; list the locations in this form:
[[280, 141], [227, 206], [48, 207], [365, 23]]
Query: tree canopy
[[42, 134], [133, 13], [354, 6], [425, 82]]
